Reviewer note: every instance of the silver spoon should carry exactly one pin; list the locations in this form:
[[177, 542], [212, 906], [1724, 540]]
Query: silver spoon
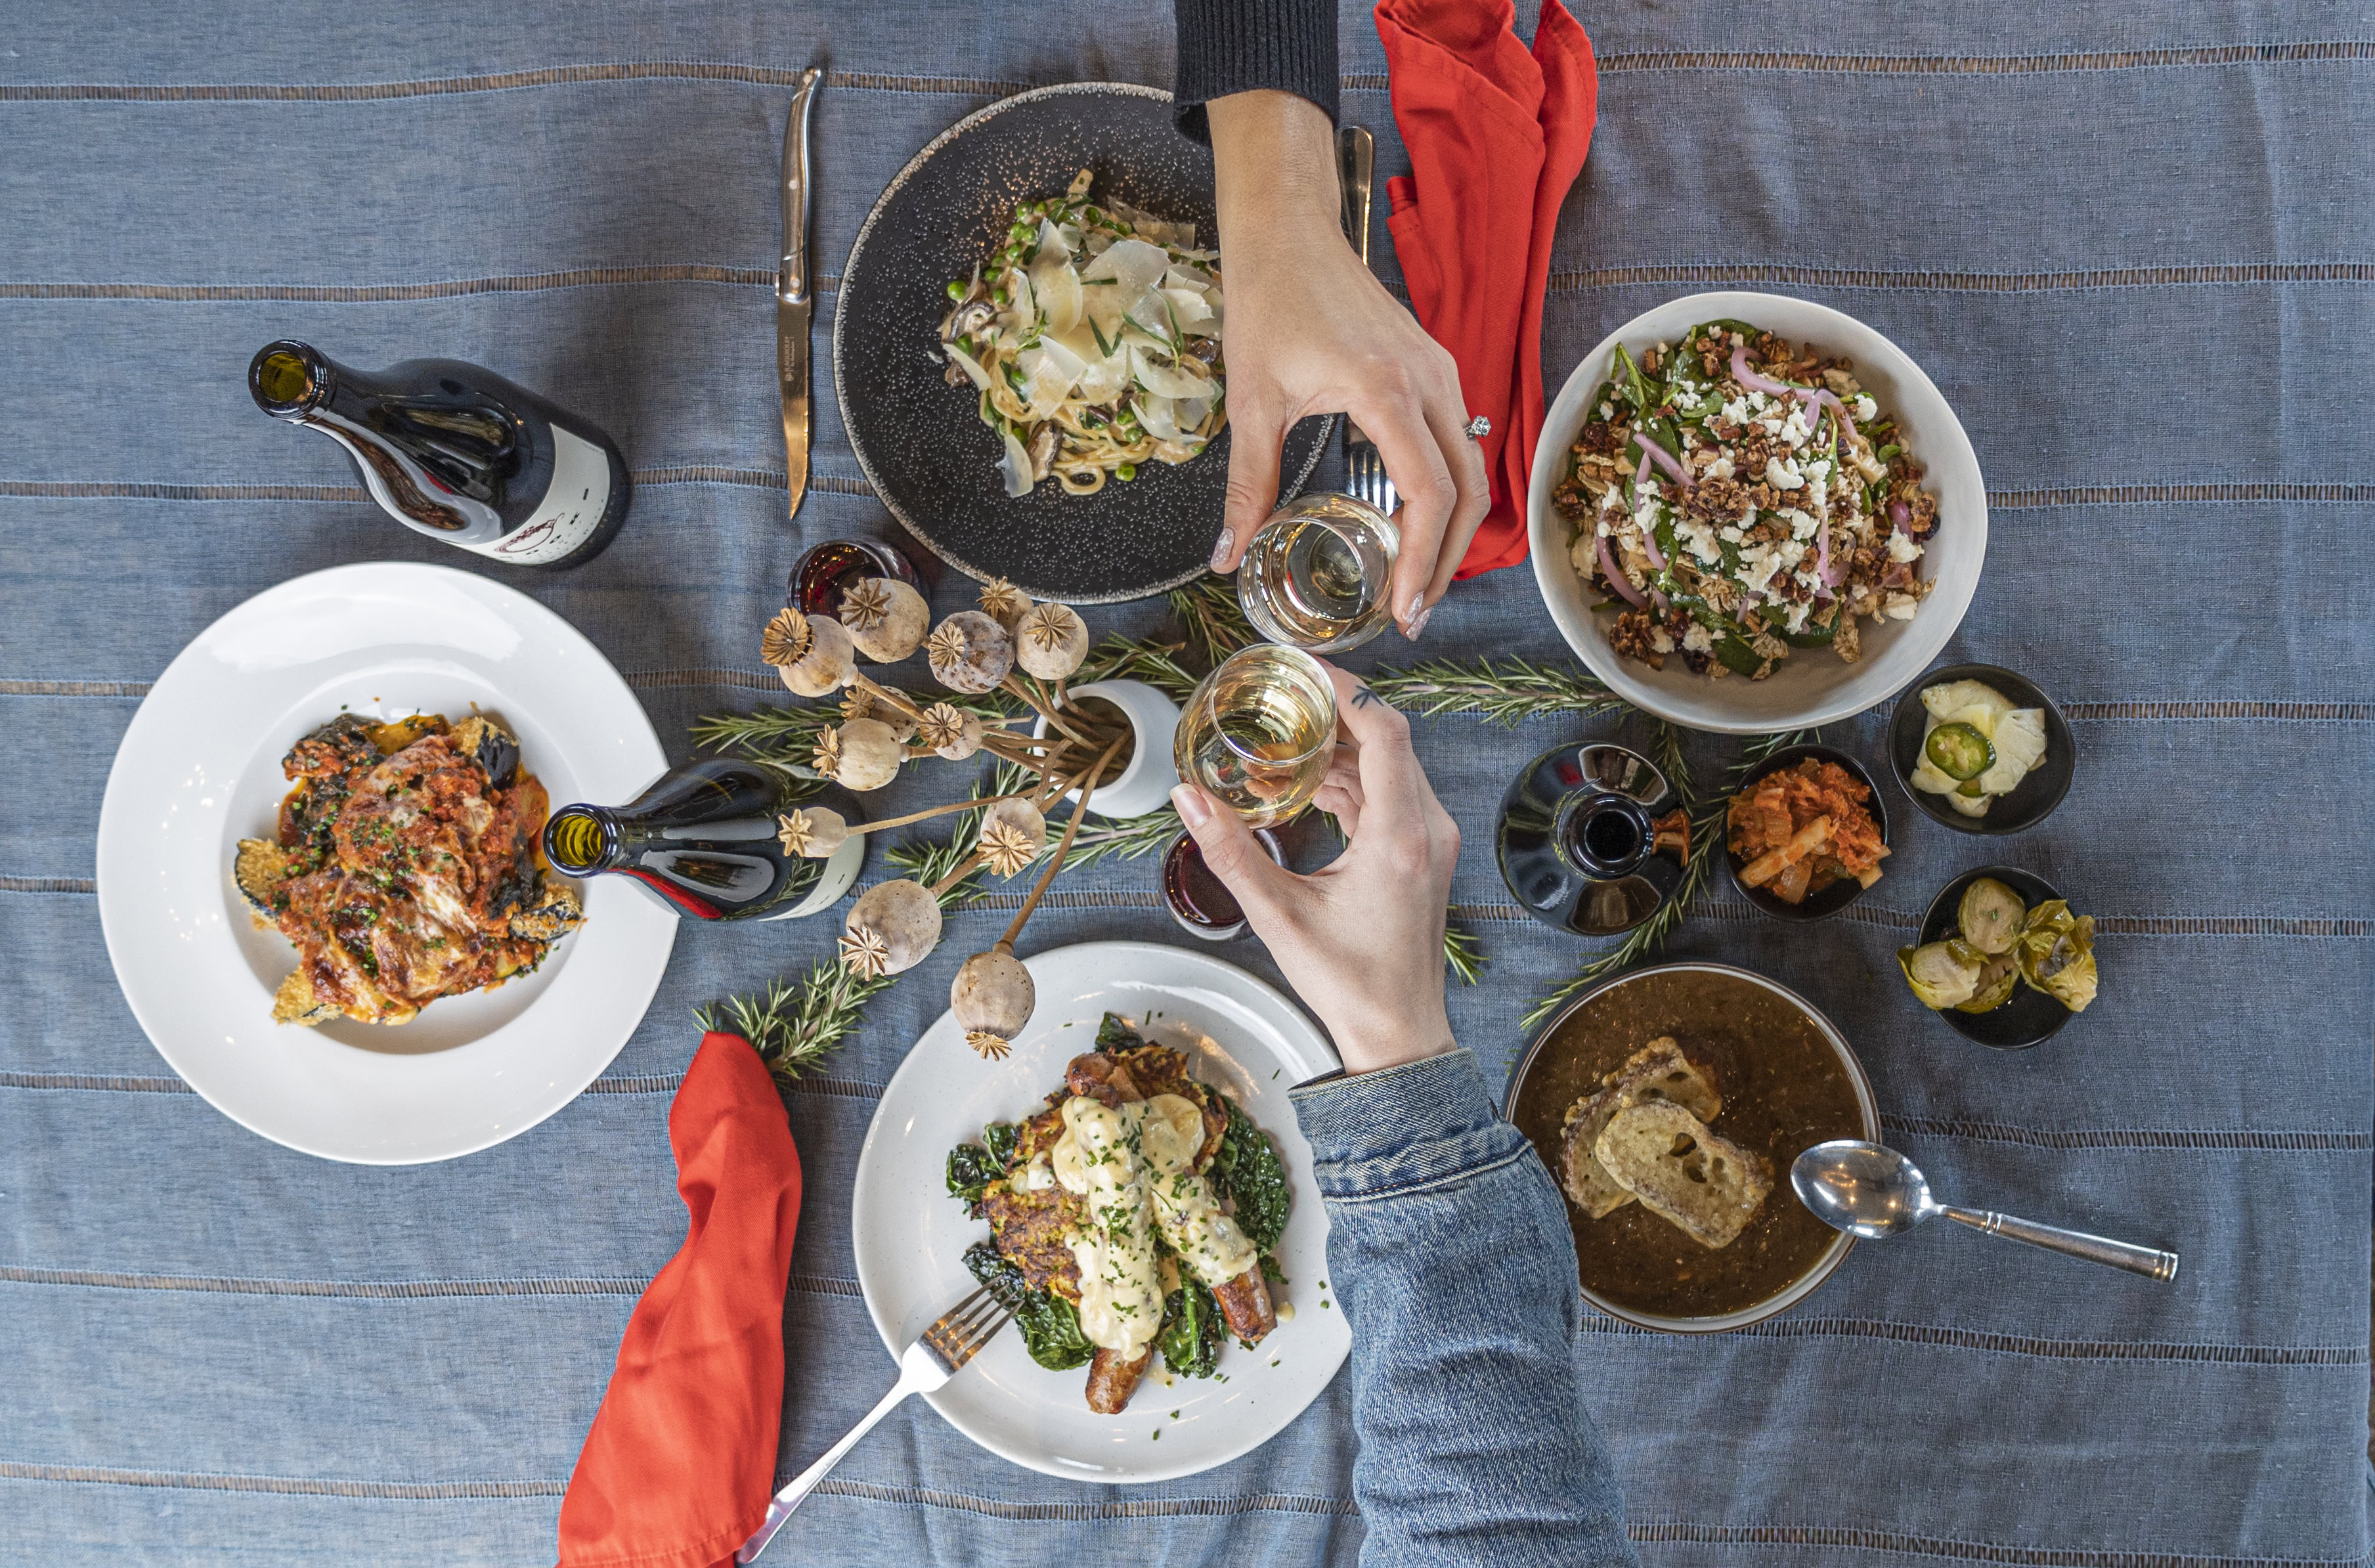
[[1874, 1192]]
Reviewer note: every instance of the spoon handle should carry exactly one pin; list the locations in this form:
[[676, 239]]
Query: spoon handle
[[2147, 1261]]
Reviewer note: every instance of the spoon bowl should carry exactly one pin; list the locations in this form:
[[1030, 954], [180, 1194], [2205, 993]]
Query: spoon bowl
[[1863, 1188]]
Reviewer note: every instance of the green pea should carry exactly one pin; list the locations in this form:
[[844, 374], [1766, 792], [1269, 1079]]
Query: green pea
[[956, 290], [1127, 471]]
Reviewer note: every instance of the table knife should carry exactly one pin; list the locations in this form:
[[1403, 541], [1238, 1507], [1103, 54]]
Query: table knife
[[795, 304]]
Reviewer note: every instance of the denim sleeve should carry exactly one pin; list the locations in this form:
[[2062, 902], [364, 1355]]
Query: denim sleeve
[[1449, 1252]]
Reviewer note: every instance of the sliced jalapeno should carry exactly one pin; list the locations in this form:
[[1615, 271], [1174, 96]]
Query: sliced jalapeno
[[1960, 751]]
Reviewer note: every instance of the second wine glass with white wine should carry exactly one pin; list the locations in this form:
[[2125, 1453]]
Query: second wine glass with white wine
[[1316, 575], [1259, 732]]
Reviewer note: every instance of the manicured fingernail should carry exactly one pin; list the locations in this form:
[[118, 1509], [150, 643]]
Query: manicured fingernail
[[1415, 619], [1220, 551], [1191, 805]]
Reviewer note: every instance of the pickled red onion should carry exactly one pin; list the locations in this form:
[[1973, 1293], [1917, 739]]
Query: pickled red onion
[[1616, 580], [1749, 379], [1658, 454]]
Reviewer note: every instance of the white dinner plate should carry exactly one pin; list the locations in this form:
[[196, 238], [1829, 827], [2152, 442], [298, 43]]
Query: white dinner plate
[[200, 769], [1241, 1037]]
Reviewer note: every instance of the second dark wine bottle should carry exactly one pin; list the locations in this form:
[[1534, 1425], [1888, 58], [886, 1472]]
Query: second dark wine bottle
[[456, 452], [703, 840]]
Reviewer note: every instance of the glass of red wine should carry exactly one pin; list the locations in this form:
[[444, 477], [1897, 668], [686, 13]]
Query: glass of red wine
[[1196, 897]]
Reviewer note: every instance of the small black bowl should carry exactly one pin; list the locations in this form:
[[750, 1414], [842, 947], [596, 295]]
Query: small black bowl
[[1846, 889], [2029, 1017], [2032, 800]]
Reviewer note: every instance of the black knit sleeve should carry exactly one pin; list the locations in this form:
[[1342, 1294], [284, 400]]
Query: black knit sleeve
[[1229, 46]]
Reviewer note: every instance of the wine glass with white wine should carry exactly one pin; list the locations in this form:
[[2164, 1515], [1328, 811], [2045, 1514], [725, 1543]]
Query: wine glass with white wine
[[1259, 732], [1316, 575]]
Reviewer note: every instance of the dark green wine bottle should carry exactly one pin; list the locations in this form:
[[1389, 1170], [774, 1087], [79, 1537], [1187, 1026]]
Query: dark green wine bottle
[[703, 840], [458, 453]]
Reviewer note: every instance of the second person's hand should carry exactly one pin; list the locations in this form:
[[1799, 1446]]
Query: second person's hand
[[1361, 940], [1309, 330]]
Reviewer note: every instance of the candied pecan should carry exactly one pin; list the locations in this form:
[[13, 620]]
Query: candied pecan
[[1716, 500], [1924, 507], [1724, 430], [1630, 638]]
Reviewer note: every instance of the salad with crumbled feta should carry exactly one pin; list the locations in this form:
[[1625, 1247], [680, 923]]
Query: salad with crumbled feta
[[1741, 498]]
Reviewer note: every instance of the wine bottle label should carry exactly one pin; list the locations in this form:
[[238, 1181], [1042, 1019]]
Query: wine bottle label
[[573, 507]]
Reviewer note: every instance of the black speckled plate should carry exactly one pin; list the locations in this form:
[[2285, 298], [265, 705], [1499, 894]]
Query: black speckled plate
[[919, 440]]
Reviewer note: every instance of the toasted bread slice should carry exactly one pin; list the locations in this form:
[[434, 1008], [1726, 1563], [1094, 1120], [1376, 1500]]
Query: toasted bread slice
[[1656, 1071], [1703, 1181]]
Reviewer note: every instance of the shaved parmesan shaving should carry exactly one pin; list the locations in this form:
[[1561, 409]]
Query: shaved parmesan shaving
[[1189, 309], [1154, 415], [1163, 380], [1016, 468], [968, 364]]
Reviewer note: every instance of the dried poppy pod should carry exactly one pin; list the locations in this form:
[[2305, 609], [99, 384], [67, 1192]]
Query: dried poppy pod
[[992, 997], [1051, 641], [970, 653], [892, 926], [1012, 834], [1004, 603], [952, 732], [886, 617], [812, 831], [812, 652], [867, 754]]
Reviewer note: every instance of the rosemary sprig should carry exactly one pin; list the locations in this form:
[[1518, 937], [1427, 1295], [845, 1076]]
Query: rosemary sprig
[[793, 1027], [1463, 952], [782, 738], [1501, 691], [1214, 622], [1127, 658], [1707, 826]]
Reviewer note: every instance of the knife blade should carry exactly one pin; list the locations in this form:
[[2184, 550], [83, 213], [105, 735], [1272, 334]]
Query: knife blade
[[794, 305]]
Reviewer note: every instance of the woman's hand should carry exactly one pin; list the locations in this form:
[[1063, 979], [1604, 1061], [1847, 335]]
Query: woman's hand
[[1360, 940], [1308, 330]]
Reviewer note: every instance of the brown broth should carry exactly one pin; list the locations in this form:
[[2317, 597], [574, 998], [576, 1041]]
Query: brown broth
[[1784, 1091]]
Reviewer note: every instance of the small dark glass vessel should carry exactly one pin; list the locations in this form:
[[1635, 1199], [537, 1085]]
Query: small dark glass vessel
[[703, 840], [1578, 838], [458, 453], [1196, 897], [826, 572]]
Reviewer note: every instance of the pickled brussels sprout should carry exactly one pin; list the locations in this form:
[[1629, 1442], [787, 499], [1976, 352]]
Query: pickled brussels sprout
[[1990, 917], [1997, 978], [1942, 974], [2057, 954]]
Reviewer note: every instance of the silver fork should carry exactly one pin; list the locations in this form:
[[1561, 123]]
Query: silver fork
[[1356, 153], [953, 1340]]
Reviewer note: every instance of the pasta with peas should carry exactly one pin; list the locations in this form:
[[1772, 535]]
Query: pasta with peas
[[1091, 338]]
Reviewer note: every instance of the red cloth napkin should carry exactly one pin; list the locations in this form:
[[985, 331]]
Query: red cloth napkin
[[1496, 135], [680, 1462]]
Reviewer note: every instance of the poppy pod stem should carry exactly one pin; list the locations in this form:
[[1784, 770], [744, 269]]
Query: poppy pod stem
[[1056, 861]]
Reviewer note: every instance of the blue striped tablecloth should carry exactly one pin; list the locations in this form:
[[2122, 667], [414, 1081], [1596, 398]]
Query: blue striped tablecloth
[[2133, 245]]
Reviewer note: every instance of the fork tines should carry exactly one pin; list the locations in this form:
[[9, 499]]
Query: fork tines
[[961, 1332], [1365, 473]]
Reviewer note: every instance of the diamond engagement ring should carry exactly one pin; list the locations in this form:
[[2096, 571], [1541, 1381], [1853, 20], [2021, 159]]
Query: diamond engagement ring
[[1478, 427]]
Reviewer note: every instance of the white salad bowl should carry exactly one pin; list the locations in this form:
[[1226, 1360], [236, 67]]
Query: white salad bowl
[[1814, 686]]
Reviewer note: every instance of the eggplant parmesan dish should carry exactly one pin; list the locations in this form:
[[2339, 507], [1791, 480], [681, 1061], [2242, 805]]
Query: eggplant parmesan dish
[[407, 867], [1137, 1213]]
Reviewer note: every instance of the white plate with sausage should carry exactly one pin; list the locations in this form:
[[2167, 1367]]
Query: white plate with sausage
[[1242, 1037]]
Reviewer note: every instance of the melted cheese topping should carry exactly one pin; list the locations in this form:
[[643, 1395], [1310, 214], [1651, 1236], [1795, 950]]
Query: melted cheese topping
[[1121, 1294], [1135, 1165]]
